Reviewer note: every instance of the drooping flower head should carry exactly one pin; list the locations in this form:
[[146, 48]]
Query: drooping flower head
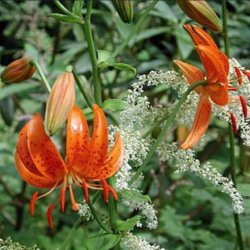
[[88, 161], [17, 71], [216, 66]]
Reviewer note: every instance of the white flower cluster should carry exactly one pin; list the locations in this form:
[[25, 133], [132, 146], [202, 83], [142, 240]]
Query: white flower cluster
[[184, 161], [136, 149], [139, 112], [84, 211], [132, 242], [146, 209]]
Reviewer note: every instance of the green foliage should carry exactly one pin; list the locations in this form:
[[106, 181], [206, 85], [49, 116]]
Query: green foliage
[[191, 215]]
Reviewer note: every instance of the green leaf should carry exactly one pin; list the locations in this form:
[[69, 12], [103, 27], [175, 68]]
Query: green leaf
[[184, 43], [244, 189], [128, 224], [118, 66], [103, 241], [114, 104], [135, 195], [124, 66], [104, 56], [67, 18], [165, 11], [77, 7], [16, 88]]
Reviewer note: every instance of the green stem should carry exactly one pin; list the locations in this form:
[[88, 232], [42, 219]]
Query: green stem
[[69, 236], [98, 220], [170, 118], [112, 207], [43, 77], [230, 129], [79, 84], [62, 8], [92, 54], [233, 175], [135, 30], [225, 31]]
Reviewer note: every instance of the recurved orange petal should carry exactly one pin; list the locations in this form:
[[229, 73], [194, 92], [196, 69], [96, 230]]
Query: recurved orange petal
[[199, 36], [112, 163], [78, 141], [99, 142], [23, 151], [201, 122], [43, 151], [31, 178], [192, 73], [214, 62]]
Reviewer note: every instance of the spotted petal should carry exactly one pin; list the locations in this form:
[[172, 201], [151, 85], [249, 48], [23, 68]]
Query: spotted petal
[[42, 150], [112, 162], [32, 178], [78, 140], [99, 143]]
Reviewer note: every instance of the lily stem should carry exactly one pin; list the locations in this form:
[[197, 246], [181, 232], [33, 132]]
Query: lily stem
[[92, 54], [79, 84], [98, 220], [169, 119], [69, 236], [135, 29], [43, 77], [233, 175], [230, 129], [98, 98]]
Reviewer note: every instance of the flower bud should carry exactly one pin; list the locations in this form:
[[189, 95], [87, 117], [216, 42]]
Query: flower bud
[[201, 12], [60, 102], [18, 71], [125, 9]]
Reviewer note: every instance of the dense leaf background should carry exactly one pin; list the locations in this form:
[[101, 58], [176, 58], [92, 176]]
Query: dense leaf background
[[192, 214]]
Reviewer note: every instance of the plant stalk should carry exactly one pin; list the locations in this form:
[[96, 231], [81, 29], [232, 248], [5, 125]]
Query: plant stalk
[[230, 129], [98, 220], [79, 84], [92, 54], [43, 77]]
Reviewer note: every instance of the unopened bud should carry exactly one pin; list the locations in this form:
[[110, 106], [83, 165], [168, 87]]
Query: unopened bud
[[201, 12], [125, 9], [18, 71], [60, 102]]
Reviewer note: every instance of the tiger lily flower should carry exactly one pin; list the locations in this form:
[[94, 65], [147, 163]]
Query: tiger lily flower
[[88, 161], [216, 89], [216, 65]]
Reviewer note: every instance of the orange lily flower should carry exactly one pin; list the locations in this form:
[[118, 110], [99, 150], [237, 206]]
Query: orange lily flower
[[216, 66], [88, 160], [216, 89]]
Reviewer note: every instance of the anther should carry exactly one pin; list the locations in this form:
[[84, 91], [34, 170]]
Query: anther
[[49, 216], [32, 203], [238, 74], [234, 122], [243, 105]]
